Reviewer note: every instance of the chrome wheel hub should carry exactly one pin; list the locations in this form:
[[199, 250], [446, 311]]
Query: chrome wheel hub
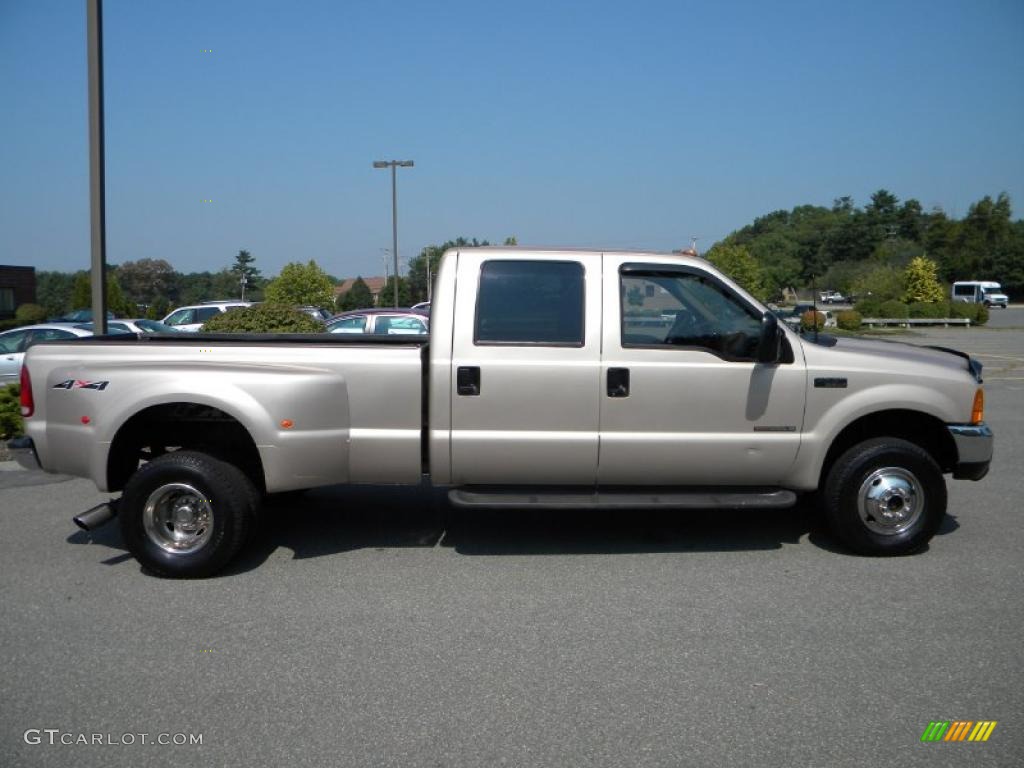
[[178, 518], [890, 500]]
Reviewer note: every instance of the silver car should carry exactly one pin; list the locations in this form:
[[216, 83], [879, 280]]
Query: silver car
[[14, 343]]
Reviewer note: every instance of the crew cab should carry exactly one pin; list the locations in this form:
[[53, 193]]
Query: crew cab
[[550, 378]]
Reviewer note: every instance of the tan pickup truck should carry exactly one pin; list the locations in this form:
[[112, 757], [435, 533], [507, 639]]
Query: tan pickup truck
[[552, 378]]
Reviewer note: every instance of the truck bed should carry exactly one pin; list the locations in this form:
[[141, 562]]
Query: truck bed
[[320, 408]]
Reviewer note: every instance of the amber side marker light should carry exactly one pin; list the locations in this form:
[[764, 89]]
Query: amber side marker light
[[287, 423], [978, 409]]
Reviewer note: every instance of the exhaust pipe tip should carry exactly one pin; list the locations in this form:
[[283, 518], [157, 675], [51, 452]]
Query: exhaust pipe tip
[[93, 518]]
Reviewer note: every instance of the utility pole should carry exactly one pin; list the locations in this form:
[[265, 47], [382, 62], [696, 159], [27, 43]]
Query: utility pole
[[393, 164], [97, 182]]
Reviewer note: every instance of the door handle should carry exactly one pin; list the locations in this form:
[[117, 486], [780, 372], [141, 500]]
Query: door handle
[[467, 380], [618, 382]]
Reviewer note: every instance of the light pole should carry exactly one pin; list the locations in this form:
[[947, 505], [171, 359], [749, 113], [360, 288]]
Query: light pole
[[392, 164], [243, 282]]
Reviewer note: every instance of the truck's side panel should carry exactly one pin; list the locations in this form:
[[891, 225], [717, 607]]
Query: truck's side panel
[[318, 414], [535, 417]]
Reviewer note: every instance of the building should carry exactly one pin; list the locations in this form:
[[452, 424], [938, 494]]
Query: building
[[17, 287], [375, 284]]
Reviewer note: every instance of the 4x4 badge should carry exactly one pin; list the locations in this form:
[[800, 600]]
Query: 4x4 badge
[[79, 384]]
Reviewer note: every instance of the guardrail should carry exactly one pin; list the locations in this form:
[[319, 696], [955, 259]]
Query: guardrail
[[906, 322]]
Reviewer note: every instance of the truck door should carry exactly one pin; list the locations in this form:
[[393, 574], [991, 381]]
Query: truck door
[[525, 366], [682, 400]]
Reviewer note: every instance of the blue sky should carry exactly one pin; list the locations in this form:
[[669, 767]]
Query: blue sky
[[607, 124]]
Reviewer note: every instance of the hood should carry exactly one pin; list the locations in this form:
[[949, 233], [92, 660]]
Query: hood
[[891, 356]]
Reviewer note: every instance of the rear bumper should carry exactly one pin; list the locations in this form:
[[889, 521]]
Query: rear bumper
[[974, 447], [24, 452]]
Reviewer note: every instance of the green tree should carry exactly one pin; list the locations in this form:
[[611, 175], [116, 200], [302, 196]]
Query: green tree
[[159, 309], [737, 263], [387, 294], [431, 255], [358, 296], [243, 267], [53, 291], [301, 284], [922, 281], [81, 295], [880, 284], [145, 279]]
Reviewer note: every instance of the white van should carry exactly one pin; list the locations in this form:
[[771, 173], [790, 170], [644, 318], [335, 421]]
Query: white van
[[980, 292]]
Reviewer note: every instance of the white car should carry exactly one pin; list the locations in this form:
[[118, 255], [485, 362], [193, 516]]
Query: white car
[[14, 343], [192, 318]]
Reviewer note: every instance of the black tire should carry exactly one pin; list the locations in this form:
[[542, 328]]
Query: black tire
[[884, 496], [222, 501]]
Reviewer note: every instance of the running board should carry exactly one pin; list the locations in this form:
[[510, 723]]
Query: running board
[[703, 498]]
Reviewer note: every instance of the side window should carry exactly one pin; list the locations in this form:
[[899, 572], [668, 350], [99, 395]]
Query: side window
[[48, 334], [400, 326], [12, 342], [666, 309], [350, 325], [181, 317], [205, 313], [530, 302]]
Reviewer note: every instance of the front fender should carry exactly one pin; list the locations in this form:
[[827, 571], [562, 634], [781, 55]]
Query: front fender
[[825, 420]]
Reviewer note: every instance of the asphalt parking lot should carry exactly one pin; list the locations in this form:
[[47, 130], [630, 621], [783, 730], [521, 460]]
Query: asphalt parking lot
[[376, 627]]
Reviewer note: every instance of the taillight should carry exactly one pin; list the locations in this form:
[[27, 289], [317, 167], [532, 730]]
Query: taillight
[[978, 409], [28, 405]]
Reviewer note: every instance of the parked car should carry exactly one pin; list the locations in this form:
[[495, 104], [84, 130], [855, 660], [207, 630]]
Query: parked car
[[138, 325], [831, 297], [191, 318], [381, 322], [14, 343]]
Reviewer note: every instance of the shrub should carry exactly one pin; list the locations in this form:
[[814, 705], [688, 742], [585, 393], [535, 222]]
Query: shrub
[[894, 308], [263, 318], [976, 313], [30, 314], [869, 307], [929, 309], [11, 424], [963, 309], [807, 320], [848, 320]]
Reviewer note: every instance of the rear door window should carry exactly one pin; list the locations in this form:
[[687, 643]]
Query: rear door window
[[530, 302]]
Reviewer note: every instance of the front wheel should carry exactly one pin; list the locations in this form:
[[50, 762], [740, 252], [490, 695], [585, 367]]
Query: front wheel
[[186, 514], [885, 496]]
